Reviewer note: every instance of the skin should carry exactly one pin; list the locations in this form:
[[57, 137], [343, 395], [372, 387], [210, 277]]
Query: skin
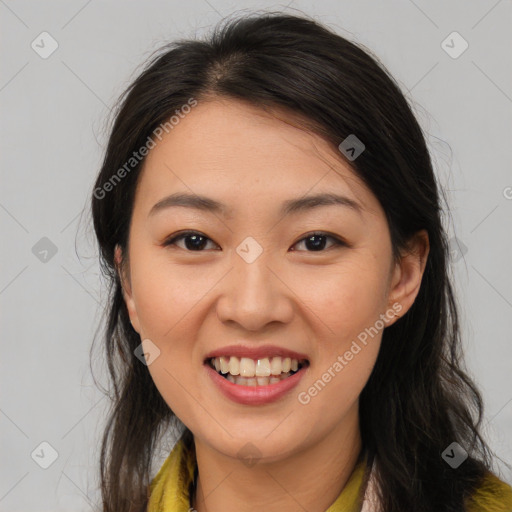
[[189, 303]]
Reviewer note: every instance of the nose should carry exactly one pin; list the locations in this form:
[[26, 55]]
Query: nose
[[253, 295]]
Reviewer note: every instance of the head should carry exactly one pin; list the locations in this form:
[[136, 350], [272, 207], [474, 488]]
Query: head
[[250, 125]]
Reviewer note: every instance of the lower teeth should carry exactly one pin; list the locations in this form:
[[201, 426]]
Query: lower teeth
[[256, 381]]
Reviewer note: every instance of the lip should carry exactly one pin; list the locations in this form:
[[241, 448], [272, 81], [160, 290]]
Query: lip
[[255, 395], [255, 352]]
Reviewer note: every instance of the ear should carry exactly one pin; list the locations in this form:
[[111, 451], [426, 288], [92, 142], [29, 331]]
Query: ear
[[127, 290], [408, 272]]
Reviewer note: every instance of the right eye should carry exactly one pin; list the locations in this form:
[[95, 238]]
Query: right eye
[[194, 240]]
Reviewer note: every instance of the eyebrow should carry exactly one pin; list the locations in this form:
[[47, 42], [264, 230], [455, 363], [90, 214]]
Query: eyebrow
[[288, 207]]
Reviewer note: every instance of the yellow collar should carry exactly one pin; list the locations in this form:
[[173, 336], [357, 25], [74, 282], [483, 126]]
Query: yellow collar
[[170, 487]]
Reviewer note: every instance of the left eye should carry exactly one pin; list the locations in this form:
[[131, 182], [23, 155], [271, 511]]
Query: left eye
[[195, 241], [316, 241]]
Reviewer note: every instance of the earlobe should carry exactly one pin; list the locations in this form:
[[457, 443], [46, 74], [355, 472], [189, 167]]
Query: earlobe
[[408, 272], [126, 289]]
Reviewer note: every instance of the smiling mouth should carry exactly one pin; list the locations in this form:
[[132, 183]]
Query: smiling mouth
[[245, 371]]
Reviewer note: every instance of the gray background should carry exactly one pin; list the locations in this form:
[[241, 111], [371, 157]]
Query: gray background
[[53, 115]]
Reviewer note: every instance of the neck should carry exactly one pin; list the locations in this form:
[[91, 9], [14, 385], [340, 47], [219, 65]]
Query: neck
[[309, 479]]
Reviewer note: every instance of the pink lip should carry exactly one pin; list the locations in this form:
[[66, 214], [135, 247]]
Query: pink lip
[[254, 395], [255, 352]]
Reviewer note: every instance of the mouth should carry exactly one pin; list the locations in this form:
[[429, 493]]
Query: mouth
[[266, 371]]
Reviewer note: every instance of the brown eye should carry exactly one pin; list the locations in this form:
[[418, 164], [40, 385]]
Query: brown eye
[[316, 242], [194, 241]]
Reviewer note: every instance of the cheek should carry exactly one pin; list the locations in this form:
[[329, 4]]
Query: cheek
[[170, 304], [165, 294], [165, 306], [332, 391], [345, 298], [347, 303]]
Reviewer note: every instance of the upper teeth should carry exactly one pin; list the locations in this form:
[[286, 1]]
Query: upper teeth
[[255, 367]]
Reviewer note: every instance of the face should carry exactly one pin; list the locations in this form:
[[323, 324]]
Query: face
[[257, 282]]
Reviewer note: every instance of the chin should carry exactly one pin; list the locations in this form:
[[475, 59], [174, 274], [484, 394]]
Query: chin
[[250, 440]]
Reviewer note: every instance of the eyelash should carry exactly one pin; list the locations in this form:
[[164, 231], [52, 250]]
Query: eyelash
[[337, 241]]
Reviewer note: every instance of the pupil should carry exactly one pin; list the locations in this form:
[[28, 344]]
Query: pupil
[[318, 245], [199, 244]]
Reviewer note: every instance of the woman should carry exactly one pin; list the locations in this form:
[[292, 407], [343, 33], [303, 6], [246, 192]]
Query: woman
[[269, 219]]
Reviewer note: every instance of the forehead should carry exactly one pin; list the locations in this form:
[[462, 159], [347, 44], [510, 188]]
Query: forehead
[[237, 152]]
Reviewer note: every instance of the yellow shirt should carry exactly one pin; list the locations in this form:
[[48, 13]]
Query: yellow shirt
[[170, 488]]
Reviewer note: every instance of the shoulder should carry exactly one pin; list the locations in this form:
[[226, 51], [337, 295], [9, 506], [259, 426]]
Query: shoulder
[[493, 495]]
